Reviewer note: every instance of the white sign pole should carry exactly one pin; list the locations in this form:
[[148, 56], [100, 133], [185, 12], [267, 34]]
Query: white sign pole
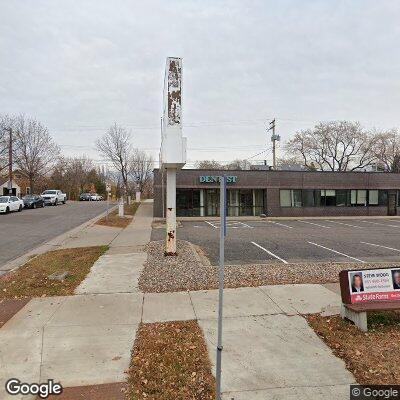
[[222, 234]]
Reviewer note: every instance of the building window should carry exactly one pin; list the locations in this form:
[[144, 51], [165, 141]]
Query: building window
[[290, 198], [358, 197], [328, 197], [333, 197], [382, 197], [188, 203], [373, 197], [28, 190], [285, 198], [308, 198], [342, 198]]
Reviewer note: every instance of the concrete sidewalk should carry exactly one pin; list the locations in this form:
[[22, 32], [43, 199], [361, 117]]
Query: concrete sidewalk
[[270, 352]]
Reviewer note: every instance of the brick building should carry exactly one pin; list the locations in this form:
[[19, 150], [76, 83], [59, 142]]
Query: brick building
[[282, 193]]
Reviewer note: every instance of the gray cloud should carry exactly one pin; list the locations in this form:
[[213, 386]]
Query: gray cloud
[[80, 66]]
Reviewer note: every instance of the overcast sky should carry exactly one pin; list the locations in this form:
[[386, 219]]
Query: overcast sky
[[79, 66]]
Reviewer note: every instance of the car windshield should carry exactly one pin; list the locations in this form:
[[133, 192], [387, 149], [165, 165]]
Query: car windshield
[[4, 199], [49, 192]]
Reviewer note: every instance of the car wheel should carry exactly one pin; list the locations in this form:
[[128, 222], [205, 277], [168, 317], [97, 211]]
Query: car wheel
[[34, 205], [20, 208], [7, 210], [56, 203], [64, 202]]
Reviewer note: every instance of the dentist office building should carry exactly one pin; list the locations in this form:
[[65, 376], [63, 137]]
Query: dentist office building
[[281, 193]]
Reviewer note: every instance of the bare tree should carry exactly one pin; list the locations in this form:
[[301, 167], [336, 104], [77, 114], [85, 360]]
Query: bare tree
[[208, 164], [6, 124], [115, 146], [387, 149], [334, 146], [141, 168], [35, 151], [239, 164]]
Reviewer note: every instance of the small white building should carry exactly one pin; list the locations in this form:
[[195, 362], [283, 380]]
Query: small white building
[[4, 184]]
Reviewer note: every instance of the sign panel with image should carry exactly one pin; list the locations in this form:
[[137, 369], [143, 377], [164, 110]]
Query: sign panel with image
[[374, 285]]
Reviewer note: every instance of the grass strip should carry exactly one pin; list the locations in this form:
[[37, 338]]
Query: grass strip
[[170, 361], [115, 221], [32, 279], [372, 357]]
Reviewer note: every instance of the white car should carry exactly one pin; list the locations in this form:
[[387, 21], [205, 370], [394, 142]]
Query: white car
[[10, 203], [96, 197], [53, 197]]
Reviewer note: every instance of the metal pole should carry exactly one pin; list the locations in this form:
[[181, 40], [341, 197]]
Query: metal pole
[[108, 204], [10, 170], [222, 233]]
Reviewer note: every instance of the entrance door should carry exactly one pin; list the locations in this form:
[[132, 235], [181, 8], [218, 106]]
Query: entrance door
[[212, 202], [392, 203]]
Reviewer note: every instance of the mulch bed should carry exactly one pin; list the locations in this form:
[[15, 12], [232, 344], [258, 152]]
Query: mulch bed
[[186, 271], [32, 279], [372, 357], [110, 391], [9, 307], [170, 361]]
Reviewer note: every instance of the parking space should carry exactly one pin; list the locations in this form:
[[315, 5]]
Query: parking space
[[302, 240]]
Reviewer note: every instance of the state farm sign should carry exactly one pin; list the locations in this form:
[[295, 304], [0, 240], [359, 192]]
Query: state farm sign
[[370, 285]]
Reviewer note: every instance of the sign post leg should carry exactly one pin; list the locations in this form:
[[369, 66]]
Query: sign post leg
[[170, 243]]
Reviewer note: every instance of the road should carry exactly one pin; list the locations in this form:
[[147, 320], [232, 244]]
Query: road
[[23, 231], [331, 240]]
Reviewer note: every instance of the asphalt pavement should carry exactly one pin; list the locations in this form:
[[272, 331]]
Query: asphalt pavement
[[321, 240], [25, 230]]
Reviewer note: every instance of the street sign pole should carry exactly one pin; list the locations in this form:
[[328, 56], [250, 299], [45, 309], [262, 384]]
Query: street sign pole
[[222, 234], [108, 190]]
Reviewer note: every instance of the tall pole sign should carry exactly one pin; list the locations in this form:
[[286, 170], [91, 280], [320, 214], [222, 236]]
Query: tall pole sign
[[173, 145]]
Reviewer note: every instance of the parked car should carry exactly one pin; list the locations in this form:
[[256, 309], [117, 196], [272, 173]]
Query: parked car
[[96, 197], [10, 203], [85, 197], [54, 197], [33, 201]]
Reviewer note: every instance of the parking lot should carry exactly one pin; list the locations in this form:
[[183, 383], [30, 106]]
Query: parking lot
[[22, 231], [303, 240]]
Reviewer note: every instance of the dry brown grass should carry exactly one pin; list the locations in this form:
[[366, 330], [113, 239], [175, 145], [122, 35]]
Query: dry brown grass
[[115, 221], [131, 209], [170, 362], [372, 357], [31, 280]]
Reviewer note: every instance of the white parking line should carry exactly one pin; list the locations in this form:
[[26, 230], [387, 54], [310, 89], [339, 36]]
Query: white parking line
[[209, 223], [379, 245], [245, 225], [270, 253], [377, 223], [337, 252], [280, 224], [342, 223], [312, 223]]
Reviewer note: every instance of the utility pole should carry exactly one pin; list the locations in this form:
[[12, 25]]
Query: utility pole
[[10, 161], [274, 139]]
